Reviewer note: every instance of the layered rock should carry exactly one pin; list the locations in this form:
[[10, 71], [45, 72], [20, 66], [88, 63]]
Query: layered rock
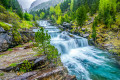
[[7, 39]]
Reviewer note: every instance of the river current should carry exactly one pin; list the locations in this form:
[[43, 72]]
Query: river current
[[84, 61]]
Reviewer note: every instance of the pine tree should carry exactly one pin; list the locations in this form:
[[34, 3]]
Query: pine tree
[[81, 15], [43, 45]]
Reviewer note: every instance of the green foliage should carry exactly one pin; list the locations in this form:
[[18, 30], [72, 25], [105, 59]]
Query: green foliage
[[10, 49], [26, 66], [2, 55], [16, 34], [5, 26], [1, 74], [71, 5], [59, 21], [28, 16], [53, 18], [94, 29], [52, 10], [43, 45], [26, 24], [42, 15], [66, 18], [42, 41], [13, 64], [118, 7], [2, 9], [58, 10], [107, 11], [81, 15]]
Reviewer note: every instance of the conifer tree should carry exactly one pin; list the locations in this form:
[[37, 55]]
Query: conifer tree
[[81, 15]]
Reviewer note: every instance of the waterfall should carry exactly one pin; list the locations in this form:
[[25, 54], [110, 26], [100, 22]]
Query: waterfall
[[82, 60]]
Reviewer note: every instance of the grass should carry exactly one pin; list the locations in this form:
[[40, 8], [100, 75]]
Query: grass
[[2, 55], [10, 49], [30, 41], [19, 46]]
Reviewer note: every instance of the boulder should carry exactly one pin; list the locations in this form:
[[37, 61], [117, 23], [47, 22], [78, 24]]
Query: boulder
[[67, 25], [86, 35], [5, 41], [83, 29]]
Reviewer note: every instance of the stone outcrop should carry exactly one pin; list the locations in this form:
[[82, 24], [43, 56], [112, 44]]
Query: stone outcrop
[[58, 73], [7, 40], [67, 25]]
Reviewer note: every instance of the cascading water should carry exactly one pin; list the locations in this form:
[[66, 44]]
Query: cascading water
[[82, 60]]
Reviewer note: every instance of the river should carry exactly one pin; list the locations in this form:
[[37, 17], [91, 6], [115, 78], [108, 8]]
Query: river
[[84, 61]]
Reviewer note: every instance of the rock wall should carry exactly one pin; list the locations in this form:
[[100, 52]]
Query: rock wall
[[7, 39]]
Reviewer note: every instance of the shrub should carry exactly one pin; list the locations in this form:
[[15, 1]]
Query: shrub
[[26, 66], [5, 26], [44, 47]]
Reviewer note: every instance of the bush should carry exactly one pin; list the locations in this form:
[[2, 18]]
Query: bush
[[44, 47], [5, 26], [28, 16], [26, 24]]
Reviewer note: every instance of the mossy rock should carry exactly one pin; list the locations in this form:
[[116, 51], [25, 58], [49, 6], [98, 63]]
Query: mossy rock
[[5, 26]]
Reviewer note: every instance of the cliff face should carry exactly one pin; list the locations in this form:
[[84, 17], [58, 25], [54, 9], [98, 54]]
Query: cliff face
[[40, 4], [37, 2]]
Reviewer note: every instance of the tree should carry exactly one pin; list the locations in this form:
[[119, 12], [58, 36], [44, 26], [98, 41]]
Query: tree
[[107, 11], [81, 15], [58, 10], [59, 21], [71, 5], [52, 10], [28, 16], [66, 18], [94, 29], [118, 7], [43, 45], [42, 15]]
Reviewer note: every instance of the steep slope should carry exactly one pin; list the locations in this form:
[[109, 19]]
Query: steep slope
[[44, 4], [25, 3], [37, 2]]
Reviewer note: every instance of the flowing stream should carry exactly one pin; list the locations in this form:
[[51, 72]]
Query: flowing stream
[[84, 61]]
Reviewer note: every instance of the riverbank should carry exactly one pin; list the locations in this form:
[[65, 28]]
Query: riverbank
[[106, 39]]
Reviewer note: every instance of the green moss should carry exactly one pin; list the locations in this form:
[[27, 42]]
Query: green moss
[[13, 64], [19, 46], [10, 50], [30, 41], [26, 24], [1, 74], [2, 55], [5, 26]]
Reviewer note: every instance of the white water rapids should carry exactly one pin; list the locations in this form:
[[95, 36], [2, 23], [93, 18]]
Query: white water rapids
[[82, 60]]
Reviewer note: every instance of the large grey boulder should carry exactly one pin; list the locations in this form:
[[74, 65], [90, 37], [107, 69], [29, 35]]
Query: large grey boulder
[[5, 41], [67, 25]]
